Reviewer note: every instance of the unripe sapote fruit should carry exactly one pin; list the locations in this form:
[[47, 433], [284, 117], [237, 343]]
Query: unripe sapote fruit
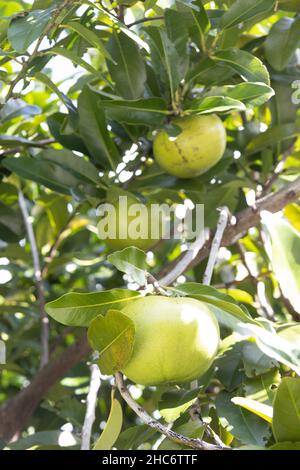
[[176, 340], [199, 146], [125, 219]]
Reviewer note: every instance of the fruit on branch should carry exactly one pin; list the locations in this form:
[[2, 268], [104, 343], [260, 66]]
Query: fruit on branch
[[199, 146], [176, 340], [128, 222]]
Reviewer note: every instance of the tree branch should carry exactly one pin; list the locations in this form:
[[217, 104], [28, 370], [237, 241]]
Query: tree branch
[[215, 246], [144, 20], [245, 219], [34, 143], [15, 412], [38, 281], [159, 427], [91, 402]]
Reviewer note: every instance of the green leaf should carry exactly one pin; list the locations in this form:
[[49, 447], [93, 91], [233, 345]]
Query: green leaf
[[17, 107], [286, 420], [77, 309], [245, 426], [40, 439], [166, 59], [249, 67], [292, 213], [244, 10], [254, 94], [47, 173], [78, 166], [90, 36], [73, 57], [282, 42], [215, 104], [273, 136], [149, 112], [175, 402], [112, 336], [225, 304], [23, 31], [273, 346], [131, 261], [286, 446], [93, 129], [112, 428], [260, 409], [11, 224], [128, 70], [178, 35], [285, 257]]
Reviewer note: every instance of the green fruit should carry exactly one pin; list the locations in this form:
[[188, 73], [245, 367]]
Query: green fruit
[[199, 146], [289, 5], [176, 340], [131, 228]]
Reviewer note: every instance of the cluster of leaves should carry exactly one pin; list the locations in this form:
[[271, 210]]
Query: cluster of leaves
[[70, 137]]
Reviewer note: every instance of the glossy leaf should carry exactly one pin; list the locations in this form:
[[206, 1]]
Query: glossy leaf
[[149, 112], [112, 336], [282, 42], [112, 428], [93, 130], [244, 10], [260, 409], [131, 261], [286, 421], [80, 309]]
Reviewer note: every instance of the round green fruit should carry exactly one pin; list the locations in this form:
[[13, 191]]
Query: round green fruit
[[131, 224], [176, 340], [199, 146]]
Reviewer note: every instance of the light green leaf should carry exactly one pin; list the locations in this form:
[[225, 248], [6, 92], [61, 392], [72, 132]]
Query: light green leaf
[[77, 309], [249, 67], [286, 420], [215, 104], [286, 446], [285, 256], [244, 10], [112, 428], [70, 55], [254, 94], [260, 409], [90, 36], [112, 336], [17, 107], [131, 261]]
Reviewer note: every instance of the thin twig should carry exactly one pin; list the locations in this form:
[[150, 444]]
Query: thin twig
[[91, 402], [195, 414], [38, 281], [159, 427], [215, 246], [185, 261], [37, 143]]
